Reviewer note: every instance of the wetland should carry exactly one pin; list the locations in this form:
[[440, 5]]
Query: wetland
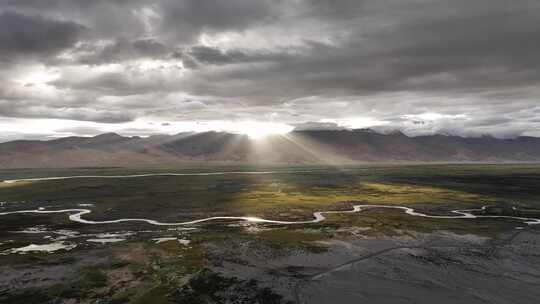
[[397, 234]]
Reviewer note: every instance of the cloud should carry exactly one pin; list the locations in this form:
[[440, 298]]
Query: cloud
[[118, 50], [80, 130], [33, 35], [82, 114], [318, 126], [286, 61], [184, 20], [205, 55]]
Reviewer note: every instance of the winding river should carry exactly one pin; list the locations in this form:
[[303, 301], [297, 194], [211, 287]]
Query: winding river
[[75, 215]]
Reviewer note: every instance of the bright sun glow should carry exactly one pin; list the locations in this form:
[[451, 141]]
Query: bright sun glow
[[258, 130]]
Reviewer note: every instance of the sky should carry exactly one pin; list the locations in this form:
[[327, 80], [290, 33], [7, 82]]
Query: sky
[[137, 67]]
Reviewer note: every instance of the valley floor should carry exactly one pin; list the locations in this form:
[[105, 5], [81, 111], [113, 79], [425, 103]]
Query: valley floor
[[378, 255]]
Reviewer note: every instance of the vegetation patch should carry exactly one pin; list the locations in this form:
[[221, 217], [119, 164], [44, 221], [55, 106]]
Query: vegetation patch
[[211, 287]]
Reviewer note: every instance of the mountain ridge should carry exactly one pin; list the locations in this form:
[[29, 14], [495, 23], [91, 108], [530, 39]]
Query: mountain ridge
[[296, 147]]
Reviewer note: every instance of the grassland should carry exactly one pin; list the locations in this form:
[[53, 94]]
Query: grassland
[[286, 196], [140, 271], [298, 194]]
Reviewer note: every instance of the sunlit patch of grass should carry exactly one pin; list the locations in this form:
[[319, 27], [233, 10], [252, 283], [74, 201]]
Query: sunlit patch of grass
[[383, 193], [14, 184], [283, 198]]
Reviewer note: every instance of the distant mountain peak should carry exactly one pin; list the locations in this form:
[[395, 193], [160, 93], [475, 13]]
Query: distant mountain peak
[[109, 135], [298, 147], [365, 130]]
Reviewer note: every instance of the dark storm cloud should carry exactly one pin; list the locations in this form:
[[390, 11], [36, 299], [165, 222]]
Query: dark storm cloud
[[33, 35], [463, 52], [105, 18], [149, 47], [178, 20], [120, 50], [185, 19], [302, 60]]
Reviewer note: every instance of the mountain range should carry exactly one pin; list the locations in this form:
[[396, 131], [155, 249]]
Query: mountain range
[[296, 147]]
